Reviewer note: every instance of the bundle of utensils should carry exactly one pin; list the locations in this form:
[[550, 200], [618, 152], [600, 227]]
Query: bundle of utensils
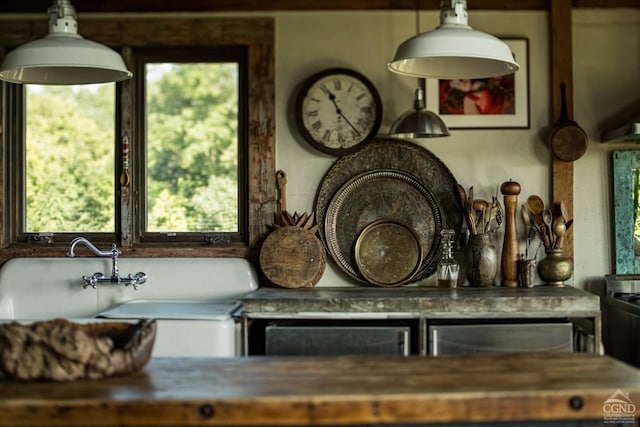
[[481, 216], [549, 225]]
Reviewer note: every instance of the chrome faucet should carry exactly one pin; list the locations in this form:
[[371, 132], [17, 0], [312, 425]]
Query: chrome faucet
[[132, 280]]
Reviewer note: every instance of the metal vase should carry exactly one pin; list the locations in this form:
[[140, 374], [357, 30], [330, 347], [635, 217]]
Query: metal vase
[[481, 259], [555, 268]]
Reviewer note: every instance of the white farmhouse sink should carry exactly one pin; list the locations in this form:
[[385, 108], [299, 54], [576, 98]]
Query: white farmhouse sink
[[192, 298], [186, 328], [194, 310], [42, 288]]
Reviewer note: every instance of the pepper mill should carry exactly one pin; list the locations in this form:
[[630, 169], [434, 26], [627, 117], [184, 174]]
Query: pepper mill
[[510, 247]]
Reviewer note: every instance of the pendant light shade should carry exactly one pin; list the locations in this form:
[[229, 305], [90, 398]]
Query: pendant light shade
[[418, 122], [453, 50], [63, 57]]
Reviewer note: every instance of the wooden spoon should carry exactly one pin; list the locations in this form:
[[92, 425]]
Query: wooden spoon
[[536, 207], [472, 212], [535, 204], [547, 217], [480, 206], [559, 228], [526, 219], [462, 194], [563, 211]]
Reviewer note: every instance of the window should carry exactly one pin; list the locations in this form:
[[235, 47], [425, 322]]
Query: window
[[192, 147], [180, 155], [69, 160], [193, 114]]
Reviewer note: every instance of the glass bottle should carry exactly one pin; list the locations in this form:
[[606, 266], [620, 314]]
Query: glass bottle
[[448, 267]]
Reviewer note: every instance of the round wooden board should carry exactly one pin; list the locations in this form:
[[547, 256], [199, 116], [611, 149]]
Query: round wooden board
[[292, 257]]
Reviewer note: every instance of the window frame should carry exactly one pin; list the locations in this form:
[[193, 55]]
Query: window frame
[[141, 57], [256, 35], [17, 180]]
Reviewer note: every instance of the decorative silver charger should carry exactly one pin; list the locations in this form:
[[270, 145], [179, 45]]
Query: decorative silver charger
[[381, 195], [399, 157]]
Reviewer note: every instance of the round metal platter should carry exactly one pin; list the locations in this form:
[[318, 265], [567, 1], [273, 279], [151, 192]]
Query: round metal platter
[[402, 156], [388, 253], [381, 194]]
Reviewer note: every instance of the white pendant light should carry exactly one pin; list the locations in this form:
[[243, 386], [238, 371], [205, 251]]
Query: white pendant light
[[453, 50], [419, 122], [63, 57]]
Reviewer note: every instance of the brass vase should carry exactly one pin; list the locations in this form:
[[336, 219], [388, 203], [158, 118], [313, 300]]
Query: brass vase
[[555, 268], [481, 260]]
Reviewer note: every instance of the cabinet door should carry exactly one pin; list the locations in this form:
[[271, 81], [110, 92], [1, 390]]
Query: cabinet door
[[500, 337], [295, 340]]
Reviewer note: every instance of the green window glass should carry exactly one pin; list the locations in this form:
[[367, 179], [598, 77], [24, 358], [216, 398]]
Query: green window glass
[[192, 147], [70, 164]]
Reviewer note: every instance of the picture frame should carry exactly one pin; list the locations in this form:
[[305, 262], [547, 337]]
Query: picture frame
[[493, 103]]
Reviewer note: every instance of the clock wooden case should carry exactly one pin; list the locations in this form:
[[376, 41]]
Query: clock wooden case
[[337, 110]]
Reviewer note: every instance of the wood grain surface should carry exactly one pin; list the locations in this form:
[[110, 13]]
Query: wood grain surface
[[345, 390], [510, 247], [82, 6], [561, 47], [292, 257]]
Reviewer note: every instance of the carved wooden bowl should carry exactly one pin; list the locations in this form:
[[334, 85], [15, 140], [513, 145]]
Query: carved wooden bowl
[[61, 350]]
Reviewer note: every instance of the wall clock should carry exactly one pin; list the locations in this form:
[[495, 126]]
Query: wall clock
[[337, 110]]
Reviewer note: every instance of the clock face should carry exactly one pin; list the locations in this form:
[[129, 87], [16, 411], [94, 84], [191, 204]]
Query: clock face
[[337, 110]]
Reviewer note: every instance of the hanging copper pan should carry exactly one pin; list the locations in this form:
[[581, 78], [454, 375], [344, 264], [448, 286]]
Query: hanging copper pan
[[568, 140]]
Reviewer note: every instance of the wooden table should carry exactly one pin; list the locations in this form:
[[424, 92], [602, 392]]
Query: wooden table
[[330, 391]]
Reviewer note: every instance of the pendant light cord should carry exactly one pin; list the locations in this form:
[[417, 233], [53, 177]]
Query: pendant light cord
[[417, 17], [419, 102]]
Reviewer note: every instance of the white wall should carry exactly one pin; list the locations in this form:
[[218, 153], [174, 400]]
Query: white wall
[[606, 80], [606, 46]]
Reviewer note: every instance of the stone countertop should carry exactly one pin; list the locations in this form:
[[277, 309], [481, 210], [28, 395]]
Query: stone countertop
[[465, 301]]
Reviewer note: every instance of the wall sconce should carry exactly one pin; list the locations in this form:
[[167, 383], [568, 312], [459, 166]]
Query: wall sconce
[[63, 57]]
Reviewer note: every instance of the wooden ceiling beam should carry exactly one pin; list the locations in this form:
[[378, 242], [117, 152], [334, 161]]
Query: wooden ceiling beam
[[113, 6]]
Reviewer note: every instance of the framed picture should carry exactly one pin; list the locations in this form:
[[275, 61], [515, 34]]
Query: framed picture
[[497, 102]]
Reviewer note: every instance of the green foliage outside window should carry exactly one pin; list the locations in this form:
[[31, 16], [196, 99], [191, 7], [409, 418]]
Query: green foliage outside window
[[192, 148], [70, 158], [192, 153]]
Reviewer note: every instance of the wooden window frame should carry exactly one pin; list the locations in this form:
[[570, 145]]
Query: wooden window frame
[[255, 34], [136, 223]]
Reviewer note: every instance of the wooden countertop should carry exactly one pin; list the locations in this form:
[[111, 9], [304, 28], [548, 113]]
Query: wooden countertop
[[331, 391], [493, 301]]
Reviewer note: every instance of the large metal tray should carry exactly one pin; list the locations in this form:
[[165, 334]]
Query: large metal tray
[[399, 155], [381, 195], [388, 253]]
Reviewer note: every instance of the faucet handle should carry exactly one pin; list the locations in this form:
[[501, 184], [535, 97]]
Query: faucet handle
[[92, 280], [136, 279]]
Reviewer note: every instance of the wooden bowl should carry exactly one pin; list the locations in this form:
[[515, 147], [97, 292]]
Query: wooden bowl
[[61, 350]]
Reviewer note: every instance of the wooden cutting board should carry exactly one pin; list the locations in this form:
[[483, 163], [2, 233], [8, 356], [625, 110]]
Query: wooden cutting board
[[292, 257]]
